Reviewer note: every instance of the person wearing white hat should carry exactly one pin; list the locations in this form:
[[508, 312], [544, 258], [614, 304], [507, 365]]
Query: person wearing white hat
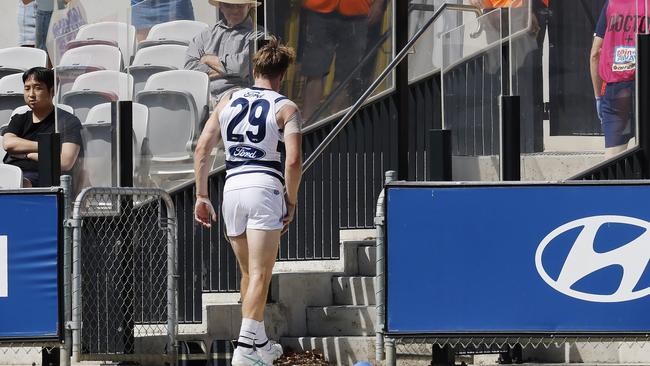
[[222, 51]]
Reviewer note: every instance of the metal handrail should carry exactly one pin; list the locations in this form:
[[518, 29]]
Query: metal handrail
[[380, 79]]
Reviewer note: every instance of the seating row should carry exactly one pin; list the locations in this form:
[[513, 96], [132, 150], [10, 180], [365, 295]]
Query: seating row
[[176, 104]]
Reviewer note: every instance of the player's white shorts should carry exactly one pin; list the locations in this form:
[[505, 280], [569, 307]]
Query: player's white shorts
[[255, 208]]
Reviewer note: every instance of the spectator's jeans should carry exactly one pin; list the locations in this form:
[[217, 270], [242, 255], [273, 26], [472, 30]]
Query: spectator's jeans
[[42, 26]]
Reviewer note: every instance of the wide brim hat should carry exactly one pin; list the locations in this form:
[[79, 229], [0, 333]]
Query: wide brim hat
[[237, 2]]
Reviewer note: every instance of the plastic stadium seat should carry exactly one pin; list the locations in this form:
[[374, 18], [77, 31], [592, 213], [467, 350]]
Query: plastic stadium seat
[[82, 60], [18, 59], [95, 88], [179, 32], [97, 135], [155, 59], [11, 96], [11, 177], [117, 34], [178, 106]]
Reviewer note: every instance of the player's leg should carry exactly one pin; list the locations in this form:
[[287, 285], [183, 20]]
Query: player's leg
[[263, 250], [240, 247], [234, 216], [263, 212]]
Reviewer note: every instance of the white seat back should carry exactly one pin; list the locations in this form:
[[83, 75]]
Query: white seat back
[[22, 58], [193, 82], [121, 33], [11, 177], [96, 55], [140, 126], [12, 84], [118, 83], [99, 115], [97, 161], [177, 30], [170, 55]]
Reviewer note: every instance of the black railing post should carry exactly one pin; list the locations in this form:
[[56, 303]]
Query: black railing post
[[440, 155], [402, 90], [49, 159], [125, 136], [122, 150], [642, 95], [510, 143]]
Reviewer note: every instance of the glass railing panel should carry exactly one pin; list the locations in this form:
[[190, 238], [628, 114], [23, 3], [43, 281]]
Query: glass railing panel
[[551, 69], [426, 55], [338, 56], [90, 78], [186, 60], [472, 83]]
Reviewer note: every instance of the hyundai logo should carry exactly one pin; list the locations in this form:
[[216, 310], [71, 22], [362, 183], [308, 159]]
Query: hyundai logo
[[246, 152], [583, 259]]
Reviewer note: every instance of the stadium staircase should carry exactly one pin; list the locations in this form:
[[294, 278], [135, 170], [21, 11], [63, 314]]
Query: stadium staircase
[[330, 308]]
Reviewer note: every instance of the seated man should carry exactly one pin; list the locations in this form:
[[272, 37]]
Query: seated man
[[20, 137], [222, 52]]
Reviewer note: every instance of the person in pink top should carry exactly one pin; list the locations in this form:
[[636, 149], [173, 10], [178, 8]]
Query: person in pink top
[[613, 69]]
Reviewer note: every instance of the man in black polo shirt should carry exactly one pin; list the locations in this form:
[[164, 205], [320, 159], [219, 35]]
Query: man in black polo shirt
[[22, 133]]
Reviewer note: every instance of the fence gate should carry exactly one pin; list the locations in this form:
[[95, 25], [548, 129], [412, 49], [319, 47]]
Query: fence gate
[[124, 282]]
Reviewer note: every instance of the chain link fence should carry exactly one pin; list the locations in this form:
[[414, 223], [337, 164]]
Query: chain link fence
[[124, 275], [409, 348], [28, 353]]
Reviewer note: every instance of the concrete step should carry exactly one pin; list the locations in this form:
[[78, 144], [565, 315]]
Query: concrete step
[[224, 321], [349, 320], [341, 351], [367, 259], [355, 290], [545, 166], [358, 260]]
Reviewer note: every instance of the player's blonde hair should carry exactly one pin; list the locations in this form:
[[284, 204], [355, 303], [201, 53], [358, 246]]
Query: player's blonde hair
[[273, 59]]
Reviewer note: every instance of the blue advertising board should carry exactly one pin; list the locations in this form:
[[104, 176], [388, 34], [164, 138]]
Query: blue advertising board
[[30, 233], [564, 258]]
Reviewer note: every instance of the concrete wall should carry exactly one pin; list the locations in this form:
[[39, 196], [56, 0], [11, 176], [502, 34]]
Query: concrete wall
[[96, 10]]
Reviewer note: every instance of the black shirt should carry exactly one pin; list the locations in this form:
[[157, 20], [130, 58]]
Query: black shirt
[[23, 126]]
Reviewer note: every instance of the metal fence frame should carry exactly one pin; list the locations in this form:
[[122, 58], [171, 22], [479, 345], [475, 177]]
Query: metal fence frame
[[117, 203]]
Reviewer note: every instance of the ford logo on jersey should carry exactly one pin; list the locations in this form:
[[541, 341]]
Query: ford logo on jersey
[[246, 152], [601, 258]]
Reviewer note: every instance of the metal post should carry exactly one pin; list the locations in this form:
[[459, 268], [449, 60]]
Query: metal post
[[391, 354], [172, 278], [402, 89], [440, 155], [379, 269], [642, 95], [125, 143], [510, 143], [49, 159], [75, 325], [124, 139], [66, 183]]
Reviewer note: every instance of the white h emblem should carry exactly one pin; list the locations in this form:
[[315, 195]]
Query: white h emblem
[[583, 260]]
